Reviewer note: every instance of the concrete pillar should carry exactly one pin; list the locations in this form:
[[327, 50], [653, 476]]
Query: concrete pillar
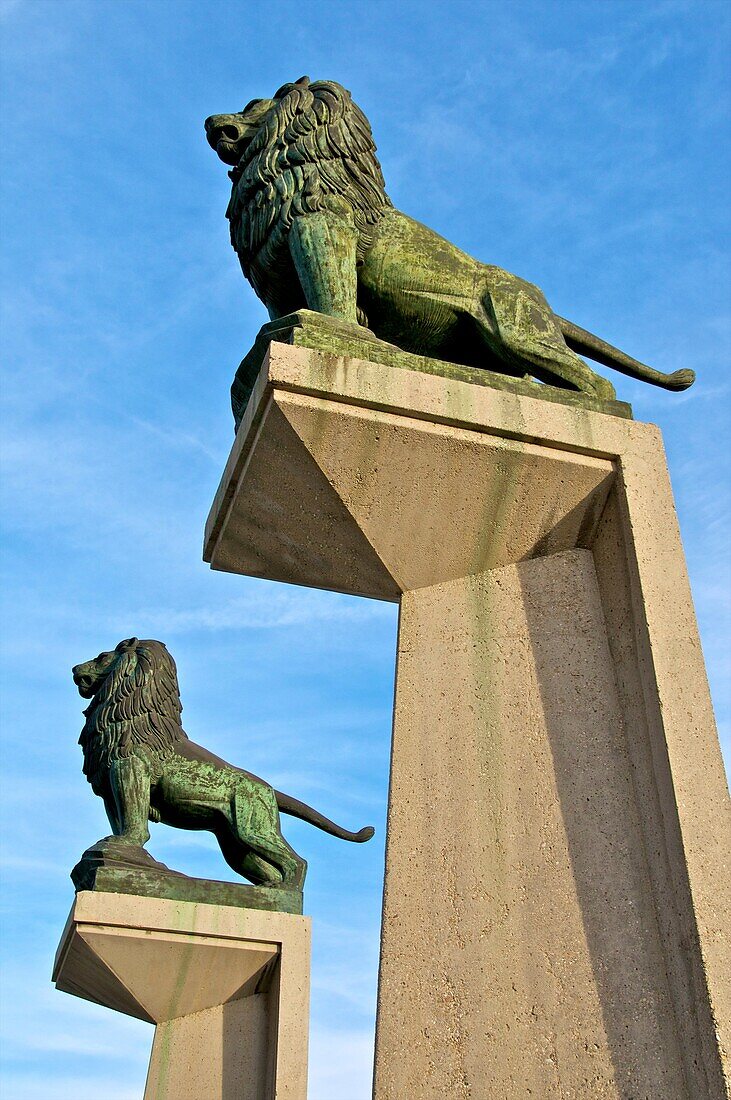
[[556, 906], [227, 988]]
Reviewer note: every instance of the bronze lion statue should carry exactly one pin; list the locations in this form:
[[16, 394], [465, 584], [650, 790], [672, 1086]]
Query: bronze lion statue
[[139, 760], [314, 228]]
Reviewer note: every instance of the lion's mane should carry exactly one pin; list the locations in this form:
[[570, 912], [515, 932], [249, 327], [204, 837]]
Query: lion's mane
[[313, 146], [137, 706]]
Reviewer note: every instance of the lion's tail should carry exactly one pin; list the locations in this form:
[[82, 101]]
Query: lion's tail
[[586, 343], [295, 808]]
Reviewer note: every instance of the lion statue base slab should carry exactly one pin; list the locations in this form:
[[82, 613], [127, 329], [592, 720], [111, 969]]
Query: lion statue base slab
[[333, 336], [114, 867]]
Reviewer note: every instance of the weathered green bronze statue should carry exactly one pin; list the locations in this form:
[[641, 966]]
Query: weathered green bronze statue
[[314, 228], [140, 762]]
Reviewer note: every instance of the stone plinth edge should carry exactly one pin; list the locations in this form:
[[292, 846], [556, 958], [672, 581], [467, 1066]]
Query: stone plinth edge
[[110, 867], [333, 337]]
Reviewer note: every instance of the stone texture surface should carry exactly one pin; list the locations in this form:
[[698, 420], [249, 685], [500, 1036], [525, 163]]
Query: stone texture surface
[[227, 988], [556, 910], [219, 1052], [511, 790]]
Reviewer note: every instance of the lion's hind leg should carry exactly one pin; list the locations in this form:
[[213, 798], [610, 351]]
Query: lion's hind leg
[[529, 336], [256, 827], [245, 862]]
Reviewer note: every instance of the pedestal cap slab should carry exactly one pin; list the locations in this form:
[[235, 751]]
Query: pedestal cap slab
[[356, 477], [158, 959]]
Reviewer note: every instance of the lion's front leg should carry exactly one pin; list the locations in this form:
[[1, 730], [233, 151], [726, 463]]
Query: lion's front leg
[[130, 782], [110, 805], [323, 248]]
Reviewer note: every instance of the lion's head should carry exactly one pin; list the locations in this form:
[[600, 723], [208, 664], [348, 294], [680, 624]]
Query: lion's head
[[135, 702], [229, 135], [306, 150]]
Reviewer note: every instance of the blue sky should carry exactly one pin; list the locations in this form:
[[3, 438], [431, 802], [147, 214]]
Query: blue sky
[[584, 146]]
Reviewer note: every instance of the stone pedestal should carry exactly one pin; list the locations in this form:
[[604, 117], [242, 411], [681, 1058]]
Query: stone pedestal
[[227, 988], [556, 901]]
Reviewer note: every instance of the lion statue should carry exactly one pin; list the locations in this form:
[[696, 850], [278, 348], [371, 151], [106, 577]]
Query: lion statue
[[140, 762], [314, 228]]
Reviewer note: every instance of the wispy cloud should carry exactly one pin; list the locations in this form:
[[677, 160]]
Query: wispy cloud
[[270, 611]]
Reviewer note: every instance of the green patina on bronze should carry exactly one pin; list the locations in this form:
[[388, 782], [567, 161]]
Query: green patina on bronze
[[140, 761], [314, 229]]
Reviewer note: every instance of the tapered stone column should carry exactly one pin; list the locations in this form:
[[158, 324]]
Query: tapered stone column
[[556, 903], [227, 988]]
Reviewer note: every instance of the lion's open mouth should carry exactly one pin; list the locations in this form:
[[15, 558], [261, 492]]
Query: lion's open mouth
[[85, 684], [229, 134], [225, 145]]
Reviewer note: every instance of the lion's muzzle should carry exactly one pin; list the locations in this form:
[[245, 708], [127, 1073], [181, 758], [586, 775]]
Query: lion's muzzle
[[228, 135], [83, 681]]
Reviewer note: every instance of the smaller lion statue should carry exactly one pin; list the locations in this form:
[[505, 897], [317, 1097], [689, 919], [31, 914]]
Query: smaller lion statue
[[314, 229], [139, 760]]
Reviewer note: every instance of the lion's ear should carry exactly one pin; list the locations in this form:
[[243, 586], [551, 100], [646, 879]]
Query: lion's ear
[[302, 83], [128, 643]]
